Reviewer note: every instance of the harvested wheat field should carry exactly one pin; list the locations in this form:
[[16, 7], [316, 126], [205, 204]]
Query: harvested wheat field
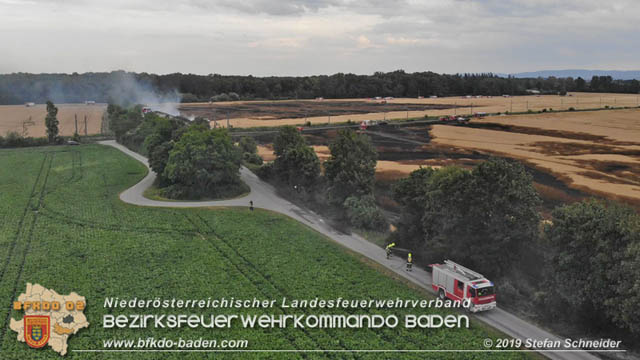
[[16, 118], [597, 152], [245, 114]]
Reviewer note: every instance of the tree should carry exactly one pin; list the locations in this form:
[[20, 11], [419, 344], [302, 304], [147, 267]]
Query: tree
[[248, 145], [484, 217], [288, 137], [363, 213], [503, 203], [351, 167], [594, 261], [158, 158], [298, 166], [51, 122], [296, 163], [203, 163]]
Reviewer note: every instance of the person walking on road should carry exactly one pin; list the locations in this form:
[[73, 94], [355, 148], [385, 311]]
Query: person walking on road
[[388, 249], [251, 205], [409, 262]]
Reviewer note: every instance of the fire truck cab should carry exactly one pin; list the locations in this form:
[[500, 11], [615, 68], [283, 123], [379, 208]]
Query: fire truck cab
[[456, 282]]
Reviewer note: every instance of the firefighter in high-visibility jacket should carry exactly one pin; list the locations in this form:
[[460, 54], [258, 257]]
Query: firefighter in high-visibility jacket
[[388, 249], [409, 262]]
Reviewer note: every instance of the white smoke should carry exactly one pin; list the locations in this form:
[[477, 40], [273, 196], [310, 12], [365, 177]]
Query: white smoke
[[126, 90]]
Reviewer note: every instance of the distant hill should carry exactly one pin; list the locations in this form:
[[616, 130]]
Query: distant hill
[[585, 74]]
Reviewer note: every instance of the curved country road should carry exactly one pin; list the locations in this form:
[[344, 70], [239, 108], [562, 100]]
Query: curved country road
[[264, 196]]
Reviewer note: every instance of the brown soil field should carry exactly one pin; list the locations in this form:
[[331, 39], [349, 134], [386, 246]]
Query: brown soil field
[[12, 118], [297, 112], [298, 109], [597, 152]]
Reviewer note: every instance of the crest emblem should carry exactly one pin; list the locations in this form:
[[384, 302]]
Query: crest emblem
[[36, 330]]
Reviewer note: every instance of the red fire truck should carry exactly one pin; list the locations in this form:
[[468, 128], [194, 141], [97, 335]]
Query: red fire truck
[[456, 282]]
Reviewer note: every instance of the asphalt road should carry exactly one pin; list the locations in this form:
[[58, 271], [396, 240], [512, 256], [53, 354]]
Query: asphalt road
[[264, 196]]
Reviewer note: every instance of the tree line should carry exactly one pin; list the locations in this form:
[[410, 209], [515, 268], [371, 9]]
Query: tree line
[[581, 266], [191, 160], [18, 88]]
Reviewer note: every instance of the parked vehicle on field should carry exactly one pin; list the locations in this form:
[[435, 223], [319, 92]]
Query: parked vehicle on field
[[456, 282]]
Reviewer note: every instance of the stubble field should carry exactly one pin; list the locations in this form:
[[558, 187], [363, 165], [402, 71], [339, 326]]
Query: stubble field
[[16, 118]]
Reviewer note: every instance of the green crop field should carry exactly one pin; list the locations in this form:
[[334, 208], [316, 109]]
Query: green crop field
[[62, 226]]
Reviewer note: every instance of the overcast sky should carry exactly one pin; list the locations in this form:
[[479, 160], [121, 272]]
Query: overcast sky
[[305, 37]]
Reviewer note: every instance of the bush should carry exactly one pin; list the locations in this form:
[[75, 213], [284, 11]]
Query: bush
[[363, 213], [76, 137], [14, 140], [572, 109], [248, 145], [265, 171], [252, 158]]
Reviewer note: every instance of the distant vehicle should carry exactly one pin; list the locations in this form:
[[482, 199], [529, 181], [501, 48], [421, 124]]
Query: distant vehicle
[[89, 102], [146, 110], [299, 128], [72, 142], [29, 104], [382, 123], [480, 114], [456, 282], [364, 125], [458, 119], [433, 97], [389, 98]]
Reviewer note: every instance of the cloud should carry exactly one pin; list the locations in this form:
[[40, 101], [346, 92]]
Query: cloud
[[316, 36]]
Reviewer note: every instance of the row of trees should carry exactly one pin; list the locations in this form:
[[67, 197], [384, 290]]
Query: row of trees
[[586, 258], [348, 174], [191, 160], [106, 87]]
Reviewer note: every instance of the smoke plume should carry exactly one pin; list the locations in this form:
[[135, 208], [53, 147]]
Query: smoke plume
[[126, 90]]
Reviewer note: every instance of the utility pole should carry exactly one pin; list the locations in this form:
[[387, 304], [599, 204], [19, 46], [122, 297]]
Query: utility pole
[[76, 117], [228, 120], [85, 126], [511, 105]]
